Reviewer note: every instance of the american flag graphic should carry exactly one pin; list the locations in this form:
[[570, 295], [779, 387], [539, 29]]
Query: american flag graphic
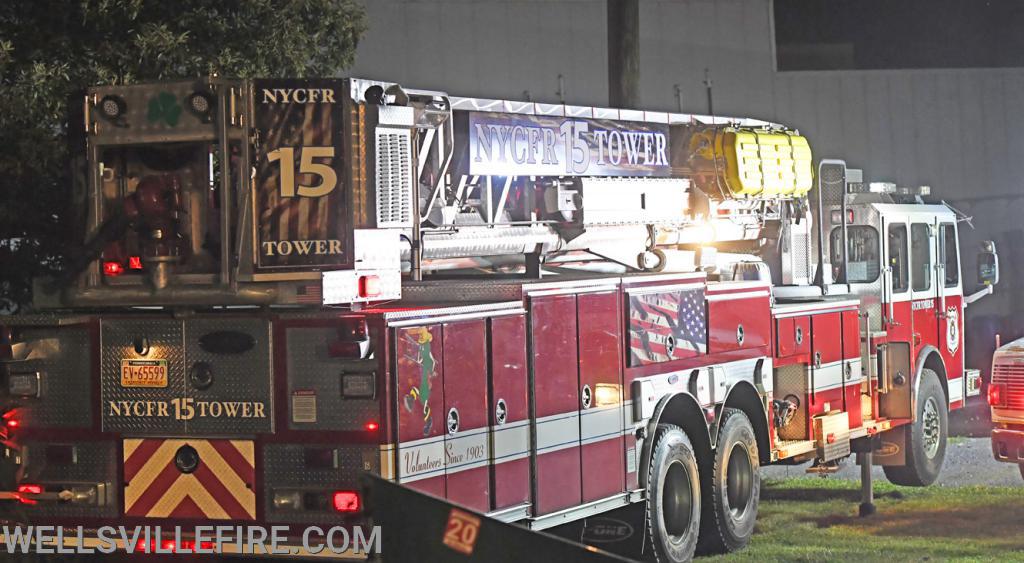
[[665, 326]]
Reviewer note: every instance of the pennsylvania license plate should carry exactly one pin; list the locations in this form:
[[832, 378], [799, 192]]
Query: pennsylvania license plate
[[143, 373]]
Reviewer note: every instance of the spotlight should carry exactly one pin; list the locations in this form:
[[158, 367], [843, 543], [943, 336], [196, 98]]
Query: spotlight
[[112, 107], [201, 103]]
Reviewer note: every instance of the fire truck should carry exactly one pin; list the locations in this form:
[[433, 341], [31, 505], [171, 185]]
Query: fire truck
[[540, 312]]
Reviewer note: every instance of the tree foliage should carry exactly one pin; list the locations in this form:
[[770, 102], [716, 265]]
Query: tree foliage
[[50, 49]]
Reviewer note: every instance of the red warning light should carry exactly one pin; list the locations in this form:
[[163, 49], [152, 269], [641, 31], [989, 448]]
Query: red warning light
[[30, 489], [370, 286], [371, 426], [346, 501], [112, 269]]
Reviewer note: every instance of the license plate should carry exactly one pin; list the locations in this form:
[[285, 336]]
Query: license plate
[[143, 373]]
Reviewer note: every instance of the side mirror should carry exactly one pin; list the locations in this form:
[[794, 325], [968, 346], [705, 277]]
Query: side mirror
[[988, 264]]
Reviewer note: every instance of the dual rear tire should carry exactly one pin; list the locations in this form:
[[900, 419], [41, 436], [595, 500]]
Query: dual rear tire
[[711, 507], [673, 497], [733, 487]]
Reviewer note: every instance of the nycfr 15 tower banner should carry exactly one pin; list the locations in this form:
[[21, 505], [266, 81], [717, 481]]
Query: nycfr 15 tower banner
[[300, 204], [502, 144]]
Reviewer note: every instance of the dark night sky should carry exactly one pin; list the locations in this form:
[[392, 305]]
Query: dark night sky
[[897, 34]]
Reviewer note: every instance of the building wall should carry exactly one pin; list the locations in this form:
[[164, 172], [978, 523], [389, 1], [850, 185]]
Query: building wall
[[959, 131]]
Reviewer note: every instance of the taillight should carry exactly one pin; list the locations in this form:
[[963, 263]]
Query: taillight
[[346, 501], [369, 286], [30, 489], [112, 269], [996, 394], [134, 263]]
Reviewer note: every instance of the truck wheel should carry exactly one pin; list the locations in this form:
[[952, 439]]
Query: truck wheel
[[925, 438], [733, 487], [673, 497]]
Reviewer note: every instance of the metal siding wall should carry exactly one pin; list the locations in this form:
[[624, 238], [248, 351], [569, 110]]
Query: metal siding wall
[[960, 131]]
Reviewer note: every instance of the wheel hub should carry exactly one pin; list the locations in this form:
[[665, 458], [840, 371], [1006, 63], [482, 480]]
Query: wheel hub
[[678, 501], [930, 427], [739, 480]]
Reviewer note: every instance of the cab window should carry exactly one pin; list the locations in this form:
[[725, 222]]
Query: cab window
[[920, 257], [950, 258], [862, 253], [898, 257]]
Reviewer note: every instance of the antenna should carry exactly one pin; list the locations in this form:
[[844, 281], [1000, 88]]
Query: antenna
[[679, 97], [561, 89], [707, 85]]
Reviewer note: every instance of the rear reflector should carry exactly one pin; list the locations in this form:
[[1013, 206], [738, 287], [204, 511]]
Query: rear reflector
[[346, 501]]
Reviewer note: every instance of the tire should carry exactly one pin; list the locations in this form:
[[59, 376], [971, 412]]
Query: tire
[[925, 439], [673, 498], [733, 488]]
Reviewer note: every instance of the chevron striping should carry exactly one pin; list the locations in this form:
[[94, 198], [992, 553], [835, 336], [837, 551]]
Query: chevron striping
[[226, 475], [187, 486], [219, 488]]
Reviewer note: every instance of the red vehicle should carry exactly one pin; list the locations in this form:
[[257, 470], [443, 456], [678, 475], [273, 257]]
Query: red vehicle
[[1006, 398], [540, 312]]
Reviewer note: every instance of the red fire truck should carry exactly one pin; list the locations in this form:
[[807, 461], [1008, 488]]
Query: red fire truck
[[540, 312]]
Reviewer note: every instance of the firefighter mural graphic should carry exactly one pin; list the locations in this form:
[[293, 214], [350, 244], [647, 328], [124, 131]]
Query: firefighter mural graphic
[[418, 390]]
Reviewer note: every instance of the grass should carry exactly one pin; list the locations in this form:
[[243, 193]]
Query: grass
[[813, 519]]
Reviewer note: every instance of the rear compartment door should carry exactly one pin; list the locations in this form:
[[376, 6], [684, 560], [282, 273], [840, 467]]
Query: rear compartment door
[[600, 364], [556, 400], [421, 416], [467, 447], [510, 411]]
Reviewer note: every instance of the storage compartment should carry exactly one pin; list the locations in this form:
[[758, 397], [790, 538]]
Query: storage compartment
[[793, 336], [832, 435], [738, 319]]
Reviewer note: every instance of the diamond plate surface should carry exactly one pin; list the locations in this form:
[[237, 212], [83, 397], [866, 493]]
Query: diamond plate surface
[[237, 378], [64, 357], [284, 469], [96, 463], [460, 291], [792, 380], [310, 368], [166, 342]]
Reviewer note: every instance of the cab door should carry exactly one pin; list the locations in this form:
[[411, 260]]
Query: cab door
[[950, 338], [894, 398], [923, 285]]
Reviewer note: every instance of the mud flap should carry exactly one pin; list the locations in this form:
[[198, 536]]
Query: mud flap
[[620, 531], [892, 449]]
